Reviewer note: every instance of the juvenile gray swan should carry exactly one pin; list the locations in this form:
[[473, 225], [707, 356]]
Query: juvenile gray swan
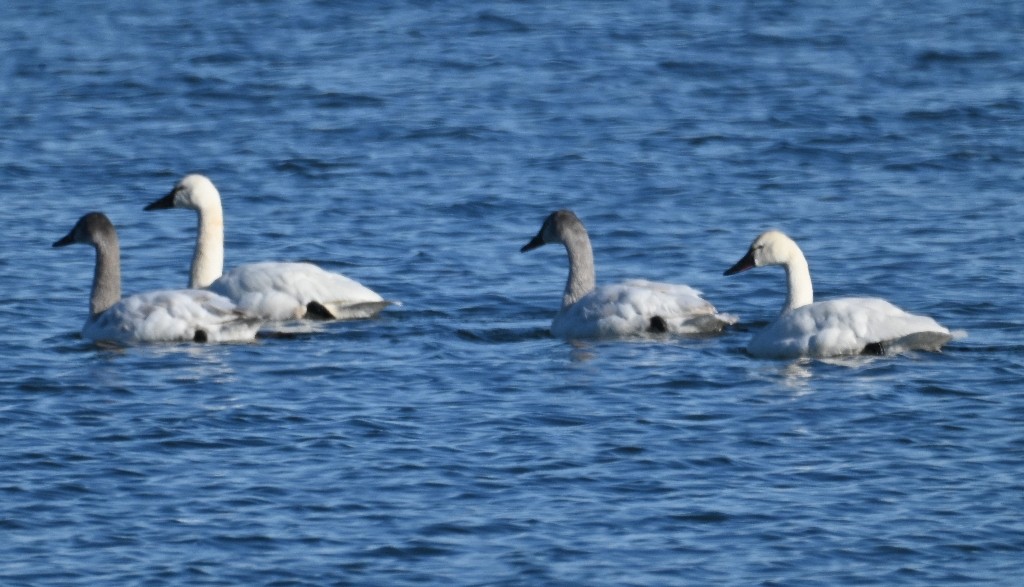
[[843, 326], [636, 307], [156, 316], [271, 290]]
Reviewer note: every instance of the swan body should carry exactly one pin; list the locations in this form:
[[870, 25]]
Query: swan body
[[843, 326], [632, 308], [157, 316], [289, 291], [271, 290]]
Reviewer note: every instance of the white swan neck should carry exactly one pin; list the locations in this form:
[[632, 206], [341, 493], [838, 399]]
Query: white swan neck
[[106, 280], [208, 258], [798, 276], [582, 277]]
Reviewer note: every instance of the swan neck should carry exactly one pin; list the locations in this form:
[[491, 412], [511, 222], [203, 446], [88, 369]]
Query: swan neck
[[106, 281], [798, 275], [582, 278], [208, 258]]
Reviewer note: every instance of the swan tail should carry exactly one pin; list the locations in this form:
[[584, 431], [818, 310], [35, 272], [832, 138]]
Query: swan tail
[[345, 311], [709, 323], [918, 341], [241, 328]]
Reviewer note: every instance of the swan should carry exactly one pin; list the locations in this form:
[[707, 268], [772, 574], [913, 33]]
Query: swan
[[156, 316], [636, 307], [271, 290], [844, 326]]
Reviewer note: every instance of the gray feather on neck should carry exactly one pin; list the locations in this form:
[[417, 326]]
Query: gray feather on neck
[[582, 276], [106, 281]]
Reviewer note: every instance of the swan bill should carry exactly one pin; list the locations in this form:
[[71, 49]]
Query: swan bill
[[163, 203], [535, 242], [68, 239], [747, 262]]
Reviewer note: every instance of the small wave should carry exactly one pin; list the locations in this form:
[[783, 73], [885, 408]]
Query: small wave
[[932, 56], [951, 113], [708, 517], [491, 23], [413, 550], [502, 335], [342, 100]]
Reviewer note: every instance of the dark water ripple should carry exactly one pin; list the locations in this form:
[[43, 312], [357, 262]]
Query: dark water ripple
[[416, 147]]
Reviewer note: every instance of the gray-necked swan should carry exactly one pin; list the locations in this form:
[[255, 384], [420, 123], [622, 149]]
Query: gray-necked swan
[[271, 290], [156, 316], [844, 326], [632, 308]]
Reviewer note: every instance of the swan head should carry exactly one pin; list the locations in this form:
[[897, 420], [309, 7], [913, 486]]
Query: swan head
[[769, 248], [556, 229], [194, 191], [92, 229]]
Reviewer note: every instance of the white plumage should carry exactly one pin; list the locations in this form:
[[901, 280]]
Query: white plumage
[[284, 291], [843, 326], [157, 316], [635, 307], [172, 316], [271, 290]]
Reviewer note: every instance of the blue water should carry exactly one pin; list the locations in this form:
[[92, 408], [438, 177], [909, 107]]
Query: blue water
[[415, 146]]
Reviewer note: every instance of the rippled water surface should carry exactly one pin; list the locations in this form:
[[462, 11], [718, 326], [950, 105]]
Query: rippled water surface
[[415, 146]]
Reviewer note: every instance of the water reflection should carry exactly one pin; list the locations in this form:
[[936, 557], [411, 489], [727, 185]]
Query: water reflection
[[156, 365], [581, 351]]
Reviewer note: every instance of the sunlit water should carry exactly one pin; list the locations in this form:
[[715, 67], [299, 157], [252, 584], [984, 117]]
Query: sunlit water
[[415, 147]]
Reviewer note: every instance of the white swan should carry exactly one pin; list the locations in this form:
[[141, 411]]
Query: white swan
[[156, 316], [271, 290], [844, 326], [632, 308]]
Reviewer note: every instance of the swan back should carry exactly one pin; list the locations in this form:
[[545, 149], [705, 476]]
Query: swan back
[[183, 315], [847, 326], [284, 291], [638, 307]]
